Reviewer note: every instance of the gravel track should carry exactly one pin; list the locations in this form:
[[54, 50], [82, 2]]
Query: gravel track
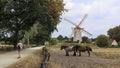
[[9, 58]]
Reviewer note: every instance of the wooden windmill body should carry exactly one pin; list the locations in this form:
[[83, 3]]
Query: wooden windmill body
[[77, 31]]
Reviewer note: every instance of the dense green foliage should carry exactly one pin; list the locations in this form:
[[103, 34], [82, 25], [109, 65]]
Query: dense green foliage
[[54, 41], [114, 33], [85, 39], [102, 41], [119, 44], [17, 19], [60, 38]]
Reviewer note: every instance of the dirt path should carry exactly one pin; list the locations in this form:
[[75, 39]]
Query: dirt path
[[58, 57], [9, 58]]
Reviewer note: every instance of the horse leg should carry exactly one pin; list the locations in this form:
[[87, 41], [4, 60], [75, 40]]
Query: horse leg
[[74, 53], [79, 53], [88, 53], [67, 54]]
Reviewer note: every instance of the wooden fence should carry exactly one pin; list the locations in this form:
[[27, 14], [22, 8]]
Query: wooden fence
[[46, 58]]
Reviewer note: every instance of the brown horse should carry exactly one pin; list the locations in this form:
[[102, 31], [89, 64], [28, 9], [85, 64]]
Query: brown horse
[[68, 49], [82, 49]]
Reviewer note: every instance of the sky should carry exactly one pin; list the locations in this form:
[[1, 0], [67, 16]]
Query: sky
[[102, 15]]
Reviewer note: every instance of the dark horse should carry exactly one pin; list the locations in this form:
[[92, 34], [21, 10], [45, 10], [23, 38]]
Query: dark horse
[[68, 49], [82, 49]]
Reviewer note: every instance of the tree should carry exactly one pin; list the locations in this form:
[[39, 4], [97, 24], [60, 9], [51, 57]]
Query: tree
[[18, 16], [114, 33], [54, 41], [66, 38], [119, 44], [85, 39], [60, 38], [102, 41], [50, 19], [31, 33]]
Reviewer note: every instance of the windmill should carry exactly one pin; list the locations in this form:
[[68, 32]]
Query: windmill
[[77, 30]]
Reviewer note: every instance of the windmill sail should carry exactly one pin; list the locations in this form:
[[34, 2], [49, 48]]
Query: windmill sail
[[87, 32], [82, 20], [70, 22]]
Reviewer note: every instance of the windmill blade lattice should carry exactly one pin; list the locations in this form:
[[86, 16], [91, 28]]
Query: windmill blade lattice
[[87, 32], [82, 20], [70, 21]]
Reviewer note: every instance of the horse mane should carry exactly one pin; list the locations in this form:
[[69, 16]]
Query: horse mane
[[63, 46]]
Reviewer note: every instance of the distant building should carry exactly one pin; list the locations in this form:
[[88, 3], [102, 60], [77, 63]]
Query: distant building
[[46, 43], [114, 43]]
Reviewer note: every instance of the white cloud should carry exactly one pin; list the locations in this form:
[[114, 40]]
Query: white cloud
[[76, 9], [68, 4], [102, 15]]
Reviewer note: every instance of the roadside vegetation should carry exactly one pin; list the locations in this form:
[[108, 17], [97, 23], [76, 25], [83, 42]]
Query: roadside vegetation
[[32, 61]]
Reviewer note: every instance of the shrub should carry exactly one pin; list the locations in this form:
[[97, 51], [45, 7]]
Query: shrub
[[119, 44], [54, 41], [102, 41]]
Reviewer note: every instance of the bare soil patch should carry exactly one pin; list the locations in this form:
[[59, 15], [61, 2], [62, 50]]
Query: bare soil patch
[[58, 58]]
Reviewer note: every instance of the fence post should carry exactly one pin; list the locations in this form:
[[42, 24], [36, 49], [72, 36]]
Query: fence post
[[42, 65], [46, 58]]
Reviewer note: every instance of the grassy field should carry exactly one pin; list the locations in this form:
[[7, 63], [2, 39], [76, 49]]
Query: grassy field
[[109, 53], [5, 48]]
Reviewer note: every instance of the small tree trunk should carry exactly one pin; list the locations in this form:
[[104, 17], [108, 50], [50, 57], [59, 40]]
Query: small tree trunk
[[28, 40], [15, 45], [15, 40]]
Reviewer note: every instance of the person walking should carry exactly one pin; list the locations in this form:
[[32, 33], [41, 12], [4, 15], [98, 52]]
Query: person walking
[[20, 47]]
